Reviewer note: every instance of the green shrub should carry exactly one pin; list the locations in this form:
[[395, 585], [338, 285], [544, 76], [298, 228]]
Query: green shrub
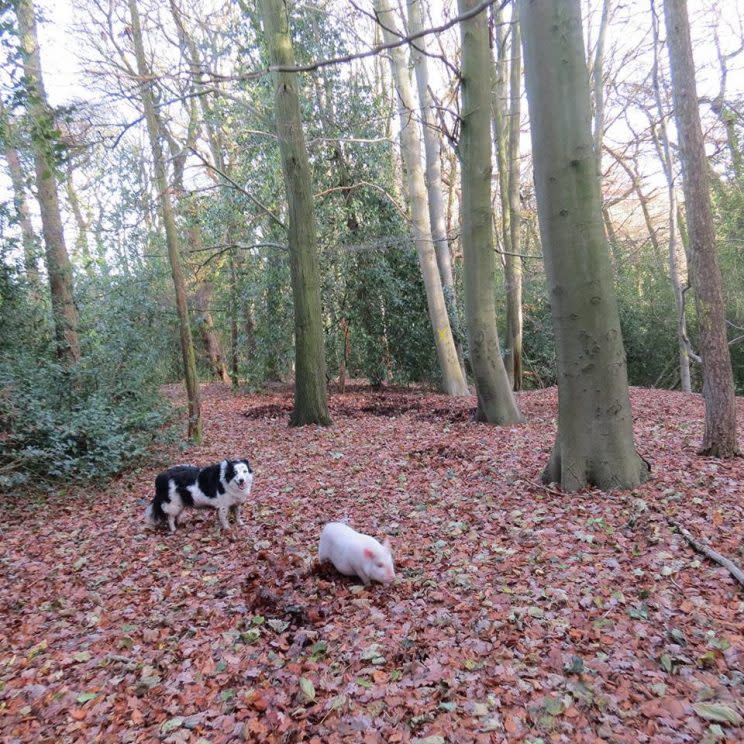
[[88, 422]]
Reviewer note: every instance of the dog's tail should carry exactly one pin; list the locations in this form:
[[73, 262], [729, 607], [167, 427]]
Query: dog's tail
[[154, 514]]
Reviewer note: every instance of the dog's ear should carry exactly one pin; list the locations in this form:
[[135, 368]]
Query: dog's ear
[[229, 470]]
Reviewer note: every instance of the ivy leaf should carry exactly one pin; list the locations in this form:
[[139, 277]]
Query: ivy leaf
[[718, 712], [171, 724], [308, 689]]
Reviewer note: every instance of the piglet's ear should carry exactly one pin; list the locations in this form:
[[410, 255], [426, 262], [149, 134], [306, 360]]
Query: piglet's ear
[[386, 544], [369, 553]]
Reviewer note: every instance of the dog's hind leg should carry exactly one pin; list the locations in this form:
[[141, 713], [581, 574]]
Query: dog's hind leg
[[172, 523]]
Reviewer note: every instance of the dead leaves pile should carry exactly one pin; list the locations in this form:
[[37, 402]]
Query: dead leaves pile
[[517, 615]]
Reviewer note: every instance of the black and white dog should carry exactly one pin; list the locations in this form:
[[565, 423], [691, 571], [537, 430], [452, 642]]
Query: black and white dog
[[224, 487]]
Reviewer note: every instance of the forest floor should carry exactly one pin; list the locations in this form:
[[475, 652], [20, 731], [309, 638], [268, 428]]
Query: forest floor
[[518, 614]]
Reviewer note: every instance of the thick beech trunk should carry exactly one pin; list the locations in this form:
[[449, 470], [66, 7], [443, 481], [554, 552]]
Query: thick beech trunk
[[311, 398], [594, 444]]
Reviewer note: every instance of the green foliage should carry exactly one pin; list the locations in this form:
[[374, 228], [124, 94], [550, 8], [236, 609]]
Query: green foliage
[[89, 422], [648, 324], [729, 205], [538, 342]]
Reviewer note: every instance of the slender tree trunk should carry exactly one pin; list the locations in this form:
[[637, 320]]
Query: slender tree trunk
[[453, 381], [29, 239], [58, 263], [598, 84], [171, 233], [500, 130], [495, 399], [594, 445], [433, 173], [234, 359], [311, 398], [82, 250], [665, 153], [719, 439], [202, 300], [204, 320], [512, 261]]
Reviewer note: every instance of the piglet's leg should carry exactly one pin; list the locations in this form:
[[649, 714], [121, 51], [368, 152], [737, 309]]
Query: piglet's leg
[[222, 516], [363, 576]]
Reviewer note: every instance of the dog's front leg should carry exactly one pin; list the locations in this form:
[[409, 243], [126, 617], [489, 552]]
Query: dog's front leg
[[236, 512], [222, 516]]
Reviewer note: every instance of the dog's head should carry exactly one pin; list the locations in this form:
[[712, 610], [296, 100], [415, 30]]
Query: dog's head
[[239, 476]]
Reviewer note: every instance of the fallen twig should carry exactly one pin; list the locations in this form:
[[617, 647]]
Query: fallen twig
[[728, 564]]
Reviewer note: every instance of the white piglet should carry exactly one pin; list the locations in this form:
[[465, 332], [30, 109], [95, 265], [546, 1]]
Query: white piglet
[[355, 554]]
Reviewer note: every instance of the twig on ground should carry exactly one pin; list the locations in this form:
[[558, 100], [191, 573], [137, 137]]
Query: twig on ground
[[721, 560], [540, 486]]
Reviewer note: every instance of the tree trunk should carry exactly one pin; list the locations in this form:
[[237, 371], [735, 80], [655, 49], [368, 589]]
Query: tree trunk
[[512, 261], [82, 249], [665, 153], [594, 444], [211, 342], [58, 263], [204, 320], [719, 439], [500, 130], [311, 399], [598, 84], [453, 381], [495, 399], [171, 234], [433, 173], [29, 239], [234, 359]]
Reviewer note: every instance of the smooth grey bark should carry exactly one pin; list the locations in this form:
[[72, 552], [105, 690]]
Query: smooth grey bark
[[512, 260], [598, 83], [719, 439], [171, 233], [496, 404], [311, 397], [453, 380], [57, 259], [499, 123], [683, 342], [594, 443], [433, 174]]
